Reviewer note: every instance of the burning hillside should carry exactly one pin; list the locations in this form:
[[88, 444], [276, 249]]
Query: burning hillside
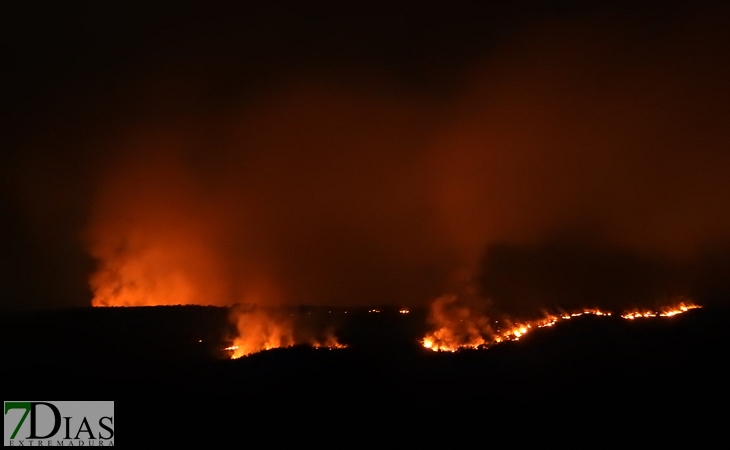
[[459, 326]]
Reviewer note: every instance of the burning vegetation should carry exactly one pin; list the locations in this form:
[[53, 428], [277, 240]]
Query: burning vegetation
[[460, 326], [260, 329]]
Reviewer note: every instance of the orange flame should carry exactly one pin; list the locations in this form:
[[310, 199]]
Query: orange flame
[[456, 326], [260, 330], [459, 327], [329, 343], [664, 312]]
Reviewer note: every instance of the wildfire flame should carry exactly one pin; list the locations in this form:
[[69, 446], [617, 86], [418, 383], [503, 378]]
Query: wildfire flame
[[666, 312], [260, 330], [239, 352], [329, 343], [460, 329]]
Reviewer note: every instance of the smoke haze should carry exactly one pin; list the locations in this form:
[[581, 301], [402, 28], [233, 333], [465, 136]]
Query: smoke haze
[[564, 158]]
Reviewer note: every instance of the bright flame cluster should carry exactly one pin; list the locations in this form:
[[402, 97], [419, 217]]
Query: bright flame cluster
[[666, 312], [476, 334], [259, 330]]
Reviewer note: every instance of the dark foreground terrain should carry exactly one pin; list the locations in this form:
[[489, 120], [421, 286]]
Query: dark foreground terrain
[[170, 380]]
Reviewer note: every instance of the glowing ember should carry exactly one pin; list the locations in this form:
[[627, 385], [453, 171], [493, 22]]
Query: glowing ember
[[404, 311], [458, 328]]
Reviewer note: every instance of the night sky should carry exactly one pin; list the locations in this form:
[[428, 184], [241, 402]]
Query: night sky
[[343, 154]]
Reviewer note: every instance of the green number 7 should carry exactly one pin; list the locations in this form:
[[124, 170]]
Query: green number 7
[[18, 405]]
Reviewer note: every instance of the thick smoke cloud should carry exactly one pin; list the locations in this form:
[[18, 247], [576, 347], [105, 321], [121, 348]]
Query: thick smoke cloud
[[342, 181], [588, 176]]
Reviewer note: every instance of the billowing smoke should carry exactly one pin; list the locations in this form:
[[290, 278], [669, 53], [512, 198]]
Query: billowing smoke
[[158, 240], [460, 320], [579, 174], [357, 181], [317, 198]]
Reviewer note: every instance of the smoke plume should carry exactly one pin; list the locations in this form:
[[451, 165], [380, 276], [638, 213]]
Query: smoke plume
[[311, 170]]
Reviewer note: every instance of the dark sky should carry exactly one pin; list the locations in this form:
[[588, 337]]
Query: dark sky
[[168, 152]]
